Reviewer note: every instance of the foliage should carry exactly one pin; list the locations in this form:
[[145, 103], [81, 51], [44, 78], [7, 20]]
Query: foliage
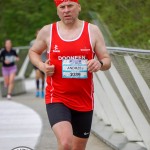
[[20, 19], [128, 20]]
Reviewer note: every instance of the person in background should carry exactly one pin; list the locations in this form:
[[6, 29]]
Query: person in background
[[8, 57], [39, 75]]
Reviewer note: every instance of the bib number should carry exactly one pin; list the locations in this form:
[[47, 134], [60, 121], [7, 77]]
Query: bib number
[[74, 68]]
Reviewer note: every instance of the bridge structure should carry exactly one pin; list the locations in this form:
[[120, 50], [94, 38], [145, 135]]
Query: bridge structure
[[122, 97]]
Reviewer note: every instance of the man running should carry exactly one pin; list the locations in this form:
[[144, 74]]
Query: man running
[[72, 45]]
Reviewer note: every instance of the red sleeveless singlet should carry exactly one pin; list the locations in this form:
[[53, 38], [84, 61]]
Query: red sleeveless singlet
[[73, 89]]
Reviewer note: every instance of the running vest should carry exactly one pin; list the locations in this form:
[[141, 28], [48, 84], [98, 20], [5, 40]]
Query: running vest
[[71, 84]]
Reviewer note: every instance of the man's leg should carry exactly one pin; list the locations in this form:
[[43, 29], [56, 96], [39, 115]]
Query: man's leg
[[60, 119], [79, 143], [81, 124], [64, 135]]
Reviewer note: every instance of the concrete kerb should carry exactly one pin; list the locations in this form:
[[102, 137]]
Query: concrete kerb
[[19, 87], [117, 141]]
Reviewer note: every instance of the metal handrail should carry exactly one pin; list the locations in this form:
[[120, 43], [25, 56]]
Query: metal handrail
[[22, 47], [111, 49], [128, 50]]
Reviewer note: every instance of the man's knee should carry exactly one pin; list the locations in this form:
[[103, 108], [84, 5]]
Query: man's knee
[[77, 147], [66, 144], [79, 143]]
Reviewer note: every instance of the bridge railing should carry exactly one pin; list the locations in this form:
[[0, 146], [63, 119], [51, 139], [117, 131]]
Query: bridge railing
[[128, 50], [122, 94]]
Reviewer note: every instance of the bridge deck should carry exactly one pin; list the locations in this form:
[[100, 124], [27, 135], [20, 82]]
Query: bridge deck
[[21, 135]]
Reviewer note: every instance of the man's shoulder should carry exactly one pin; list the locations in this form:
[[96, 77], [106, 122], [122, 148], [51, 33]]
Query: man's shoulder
[[93, 26], [46, 27], [45, 30], [94, 29]]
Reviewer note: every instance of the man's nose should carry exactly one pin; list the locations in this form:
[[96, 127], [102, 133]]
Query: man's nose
[[66, 9]]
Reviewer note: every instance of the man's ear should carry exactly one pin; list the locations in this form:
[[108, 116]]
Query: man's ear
[[79, 7]]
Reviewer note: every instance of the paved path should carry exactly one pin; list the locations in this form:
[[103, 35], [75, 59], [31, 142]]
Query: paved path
[[19, 125], [47, 139]]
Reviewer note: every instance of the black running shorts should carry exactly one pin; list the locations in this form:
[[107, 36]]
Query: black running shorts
[[81, 121]]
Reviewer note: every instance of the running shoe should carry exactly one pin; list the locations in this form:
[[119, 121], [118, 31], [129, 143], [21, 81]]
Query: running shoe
[[42, 94], [37, 94], [9, 97]]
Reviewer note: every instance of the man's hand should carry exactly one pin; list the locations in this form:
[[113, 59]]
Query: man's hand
[[47, 68], [94, 65]]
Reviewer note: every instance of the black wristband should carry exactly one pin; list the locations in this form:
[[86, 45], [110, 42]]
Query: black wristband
[[101, 63]]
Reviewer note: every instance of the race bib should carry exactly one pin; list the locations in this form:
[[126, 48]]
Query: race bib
[[74, 68], [11, 59]]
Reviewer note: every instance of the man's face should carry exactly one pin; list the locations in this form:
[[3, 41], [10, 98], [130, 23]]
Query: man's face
[[68, 12]]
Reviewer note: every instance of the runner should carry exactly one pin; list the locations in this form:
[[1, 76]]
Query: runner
[[72, 45], [8, 57], [39, 75]]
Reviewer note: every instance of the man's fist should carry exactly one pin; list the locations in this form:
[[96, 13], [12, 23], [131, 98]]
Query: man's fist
[[47, 68]]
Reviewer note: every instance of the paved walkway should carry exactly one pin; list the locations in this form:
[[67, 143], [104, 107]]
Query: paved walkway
[[25, 133], [19, 125]]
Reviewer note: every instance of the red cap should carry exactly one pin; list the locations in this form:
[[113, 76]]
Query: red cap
[[57, 2]]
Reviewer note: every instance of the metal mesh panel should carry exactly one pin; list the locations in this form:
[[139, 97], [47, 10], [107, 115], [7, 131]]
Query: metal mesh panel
[[143, 64], [123, 69]]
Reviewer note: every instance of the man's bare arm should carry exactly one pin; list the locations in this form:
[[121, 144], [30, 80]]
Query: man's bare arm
[[100, 50], [37, 49]]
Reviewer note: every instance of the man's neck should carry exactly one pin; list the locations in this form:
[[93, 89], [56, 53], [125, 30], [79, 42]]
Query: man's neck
[[70, 31], [70, 26]]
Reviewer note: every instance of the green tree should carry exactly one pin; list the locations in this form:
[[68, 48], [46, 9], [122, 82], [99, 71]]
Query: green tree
[[128, 20]]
